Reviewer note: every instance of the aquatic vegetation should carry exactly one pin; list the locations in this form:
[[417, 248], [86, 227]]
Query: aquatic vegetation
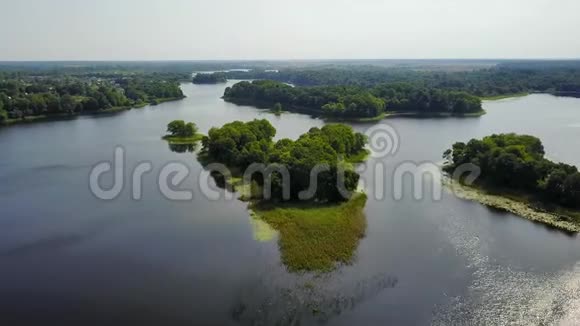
[[314, 237], [518, 207], [262, 231]]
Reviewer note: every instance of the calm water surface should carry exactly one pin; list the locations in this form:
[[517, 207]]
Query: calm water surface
[[68, 257]]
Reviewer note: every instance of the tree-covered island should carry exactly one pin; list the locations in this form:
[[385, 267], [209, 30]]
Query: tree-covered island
[[210, 78], [514, 167], [354, 102], [180, 132], [317, 229]]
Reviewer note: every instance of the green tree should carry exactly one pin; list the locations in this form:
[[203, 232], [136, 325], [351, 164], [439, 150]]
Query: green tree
[[68, 103], [178, 128], [189, 130], [517, 162], [239, 144], [175, 127], [3, 113]]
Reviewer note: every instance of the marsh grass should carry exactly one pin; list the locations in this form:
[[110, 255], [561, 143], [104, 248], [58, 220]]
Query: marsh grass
[[314, 236], [520, 204]]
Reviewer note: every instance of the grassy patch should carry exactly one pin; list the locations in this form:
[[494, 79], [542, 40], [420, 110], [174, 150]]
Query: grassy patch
[[263, 232], [174, 140], [157, 101], [315, 237], [501, 97]]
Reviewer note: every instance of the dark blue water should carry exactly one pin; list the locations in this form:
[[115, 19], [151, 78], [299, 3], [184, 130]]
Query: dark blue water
[[69, 258]]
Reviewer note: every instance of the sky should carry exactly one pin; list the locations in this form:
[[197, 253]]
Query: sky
[[291, 29]]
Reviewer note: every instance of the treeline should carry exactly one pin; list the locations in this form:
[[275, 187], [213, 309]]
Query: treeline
[[338, 101], [210, 78], [517, 162], [353, 101], [238, 144], [406, 97], [505, 78], [42, 96]]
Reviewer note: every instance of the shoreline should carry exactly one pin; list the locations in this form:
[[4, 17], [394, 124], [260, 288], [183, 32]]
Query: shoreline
[[524, 94], [67, 116], [419, 115], [380, 117], [504, 96], [516, 207]]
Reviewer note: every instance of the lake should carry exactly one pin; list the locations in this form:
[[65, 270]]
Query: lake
[[71, 258]]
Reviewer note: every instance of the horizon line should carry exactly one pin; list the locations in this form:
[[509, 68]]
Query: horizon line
[[293, 60]]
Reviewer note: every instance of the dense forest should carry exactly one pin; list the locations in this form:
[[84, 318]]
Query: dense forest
[[353, 101], [30, 96], [517, 162], [210, 78], [504, 78], [477, 77], [345, 89], [239, 144]]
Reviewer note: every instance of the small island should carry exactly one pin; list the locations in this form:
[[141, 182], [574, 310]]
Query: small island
[[516, 177], [210, 78], [318, 230], [182, 133], [354, 102]]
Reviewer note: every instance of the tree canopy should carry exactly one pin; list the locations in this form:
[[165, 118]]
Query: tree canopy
[[354, 101], [336, 101], [210, 78], [517, 162], [32, 96], [504, 78], [179, 128], [240, 144]]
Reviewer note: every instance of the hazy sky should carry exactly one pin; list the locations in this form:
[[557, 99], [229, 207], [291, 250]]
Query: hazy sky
[[292, 29]]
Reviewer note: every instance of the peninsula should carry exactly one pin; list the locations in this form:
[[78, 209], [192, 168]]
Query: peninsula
[[516, 176]]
